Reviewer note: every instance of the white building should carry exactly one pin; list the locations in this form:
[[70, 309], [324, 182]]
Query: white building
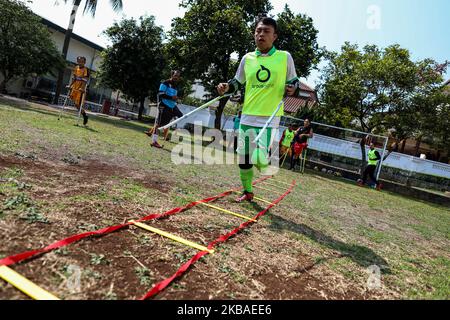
[[43, 87]]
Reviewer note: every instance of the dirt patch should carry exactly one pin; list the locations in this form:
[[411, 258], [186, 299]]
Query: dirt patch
[[92, 172]]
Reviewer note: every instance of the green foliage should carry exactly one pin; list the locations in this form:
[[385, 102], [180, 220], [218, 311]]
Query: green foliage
[[144, 275], [98, 259], [182, 257], [375, 88], [16, 201], [25, 43], [203, 40], [13, 172], [428, 120], [297, 34], [32, 215], [21, 203], [92, 274], [134, 64], [91, 5]]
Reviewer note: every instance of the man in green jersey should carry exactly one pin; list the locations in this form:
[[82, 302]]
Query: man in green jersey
[[285, 142], [373, 157], [268, 75]]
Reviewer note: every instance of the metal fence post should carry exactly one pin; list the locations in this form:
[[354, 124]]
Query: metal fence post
[[382, 157]]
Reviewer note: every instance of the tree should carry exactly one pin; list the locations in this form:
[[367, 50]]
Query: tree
[[430, 120], [377, 89], [203, 41], [297, 34], [26, 46], [135, 61], [441, 127], [425, 116], [91, 7]]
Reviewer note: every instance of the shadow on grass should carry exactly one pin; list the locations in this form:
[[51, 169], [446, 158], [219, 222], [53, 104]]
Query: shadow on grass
[[361, 255], [86, 128], [258, 207], [123, 124]]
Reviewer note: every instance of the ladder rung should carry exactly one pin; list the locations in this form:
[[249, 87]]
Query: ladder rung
[[271, 184], [229, 212], [172, 236], [262, 200], [282, 182], [25, 285], [269, 190]]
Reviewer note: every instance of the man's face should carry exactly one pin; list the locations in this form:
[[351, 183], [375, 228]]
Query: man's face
[[307, 123], [81, 62], [176, 76], [265, 36], [372, 146]]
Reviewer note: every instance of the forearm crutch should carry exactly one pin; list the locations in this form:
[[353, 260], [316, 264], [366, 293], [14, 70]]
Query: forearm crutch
[[303, 163], [64, 105]]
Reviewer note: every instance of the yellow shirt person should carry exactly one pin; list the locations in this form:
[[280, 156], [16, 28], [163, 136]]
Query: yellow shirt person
[[79, 84]]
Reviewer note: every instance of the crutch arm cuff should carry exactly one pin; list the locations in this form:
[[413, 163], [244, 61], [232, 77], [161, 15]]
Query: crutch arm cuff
[[234, 85]]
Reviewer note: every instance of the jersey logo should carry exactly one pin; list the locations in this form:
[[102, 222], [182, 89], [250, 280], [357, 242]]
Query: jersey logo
[[264, 73]]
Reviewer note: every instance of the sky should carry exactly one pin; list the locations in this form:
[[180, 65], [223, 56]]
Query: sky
[[421, 26]]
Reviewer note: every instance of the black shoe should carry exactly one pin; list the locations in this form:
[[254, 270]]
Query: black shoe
[[85, 119]]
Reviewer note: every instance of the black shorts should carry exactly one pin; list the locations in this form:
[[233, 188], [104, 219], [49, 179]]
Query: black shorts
[[166, 114]]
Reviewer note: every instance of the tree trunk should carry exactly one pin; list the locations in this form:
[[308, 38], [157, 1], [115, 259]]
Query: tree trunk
[[219, 112], [3, 86], [402, 150], [141, 108], [67, 37], [6, 79], [416, 150]]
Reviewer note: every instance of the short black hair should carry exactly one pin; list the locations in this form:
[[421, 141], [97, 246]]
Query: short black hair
[[268, 22], [81, 58]]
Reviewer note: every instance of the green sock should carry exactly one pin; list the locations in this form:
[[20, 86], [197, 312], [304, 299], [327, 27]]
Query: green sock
[[247, 179]]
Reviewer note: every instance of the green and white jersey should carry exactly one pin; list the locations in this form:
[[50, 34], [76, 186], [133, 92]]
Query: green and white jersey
[[265, 77]]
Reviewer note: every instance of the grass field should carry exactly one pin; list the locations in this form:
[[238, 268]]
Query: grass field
[[57, 179]]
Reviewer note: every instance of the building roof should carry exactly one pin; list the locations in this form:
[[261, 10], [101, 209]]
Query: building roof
[[292, 105], [308, 97], [58, 28]]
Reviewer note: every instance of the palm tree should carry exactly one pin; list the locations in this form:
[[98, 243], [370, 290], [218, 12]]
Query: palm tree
[[90, 6]]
